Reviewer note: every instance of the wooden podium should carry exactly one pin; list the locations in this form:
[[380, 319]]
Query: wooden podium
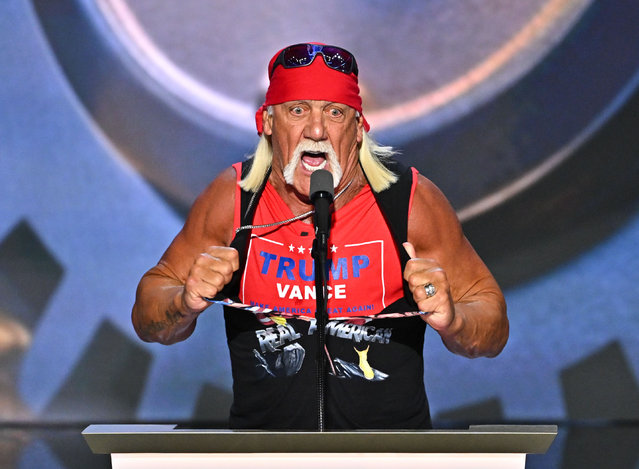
[[166, 446]]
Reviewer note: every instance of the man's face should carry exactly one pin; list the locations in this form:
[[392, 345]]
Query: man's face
[[304, 134]]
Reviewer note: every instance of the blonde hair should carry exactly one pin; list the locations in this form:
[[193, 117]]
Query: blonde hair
[[262, 159], [371, 156]]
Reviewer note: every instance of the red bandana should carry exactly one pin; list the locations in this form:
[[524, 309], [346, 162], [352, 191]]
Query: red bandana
[[313, 82]]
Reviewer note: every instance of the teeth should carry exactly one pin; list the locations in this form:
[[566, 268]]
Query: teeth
[[313, 168]]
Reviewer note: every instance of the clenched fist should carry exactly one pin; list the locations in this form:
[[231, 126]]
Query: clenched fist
[[430, 288], [210, 272]]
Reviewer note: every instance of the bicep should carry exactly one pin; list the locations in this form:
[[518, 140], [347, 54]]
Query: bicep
[[436, 233], [209, 223]]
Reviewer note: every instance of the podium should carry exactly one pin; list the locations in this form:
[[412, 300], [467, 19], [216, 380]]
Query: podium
[[167, 446]]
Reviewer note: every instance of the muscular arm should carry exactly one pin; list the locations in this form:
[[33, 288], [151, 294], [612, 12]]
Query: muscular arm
[[468, 310], [197, 264]]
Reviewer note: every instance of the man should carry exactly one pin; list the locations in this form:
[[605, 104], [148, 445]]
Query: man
[[396, 249]]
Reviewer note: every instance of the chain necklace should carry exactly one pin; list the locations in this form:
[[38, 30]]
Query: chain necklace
[[298, 217]]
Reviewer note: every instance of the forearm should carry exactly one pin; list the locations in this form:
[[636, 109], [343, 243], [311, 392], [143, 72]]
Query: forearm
[[479, 328], [158, 314]]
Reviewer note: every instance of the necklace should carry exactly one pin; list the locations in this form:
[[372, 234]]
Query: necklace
[[290, 220]]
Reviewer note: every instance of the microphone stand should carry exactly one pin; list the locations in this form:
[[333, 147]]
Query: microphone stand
[[320, 253], [321, 195]]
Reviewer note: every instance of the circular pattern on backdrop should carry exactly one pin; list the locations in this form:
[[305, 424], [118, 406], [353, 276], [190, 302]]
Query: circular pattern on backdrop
[[487, 98]]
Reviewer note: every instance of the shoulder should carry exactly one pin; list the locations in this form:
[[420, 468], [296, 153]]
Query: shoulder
[[431, 213], [225, 182], [428, 197], [213, 210]]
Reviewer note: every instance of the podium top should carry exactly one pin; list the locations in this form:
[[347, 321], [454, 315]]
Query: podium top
[[529, 439]]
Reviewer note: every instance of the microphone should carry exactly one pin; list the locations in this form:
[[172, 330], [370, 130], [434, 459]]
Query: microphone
[[321, 194]]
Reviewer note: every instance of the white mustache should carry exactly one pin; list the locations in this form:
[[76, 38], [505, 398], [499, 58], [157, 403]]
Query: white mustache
[[312, 146]]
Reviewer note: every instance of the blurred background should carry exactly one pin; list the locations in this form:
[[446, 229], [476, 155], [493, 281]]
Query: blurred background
[[115, 114]]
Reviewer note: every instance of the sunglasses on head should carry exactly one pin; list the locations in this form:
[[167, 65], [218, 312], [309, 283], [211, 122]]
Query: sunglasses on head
[[301, 55]]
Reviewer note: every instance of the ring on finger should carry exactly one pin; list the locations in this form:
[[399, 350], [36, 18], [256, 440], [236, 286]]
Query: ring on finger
[[430, 290]]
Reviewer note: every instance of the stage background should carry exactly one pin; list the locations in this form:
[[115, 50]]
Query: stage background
[[114, 114]]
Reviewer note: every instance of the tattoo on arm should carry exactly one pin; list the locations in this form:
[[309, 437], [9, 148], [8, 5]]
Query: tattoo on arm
[[171, 319]]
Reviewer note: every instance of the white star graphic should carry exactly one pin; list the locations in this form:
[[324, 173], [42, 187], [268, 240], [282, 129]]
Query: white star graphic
[[301, 250], [333, 248], [291, 248]]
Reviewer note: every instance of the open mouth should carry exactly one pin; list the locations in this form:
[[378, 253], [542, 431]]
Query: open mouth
[[312, 161]]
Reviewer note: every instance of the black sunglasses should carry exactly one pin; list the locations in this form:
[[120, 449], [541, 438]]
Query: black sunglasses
[[301, 55]]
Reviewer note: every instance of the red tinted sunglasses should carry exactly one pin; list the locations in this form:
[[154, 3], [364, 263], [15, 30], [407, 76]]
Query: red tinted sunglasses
[[301, 55]]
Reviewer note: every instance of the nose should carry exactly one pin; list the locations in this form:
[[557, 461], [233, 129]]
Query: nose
[[316, 126]]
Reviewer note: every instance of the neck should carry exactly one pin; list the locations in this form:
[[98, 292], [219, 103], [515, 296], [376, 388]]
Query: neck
[[350, 189]]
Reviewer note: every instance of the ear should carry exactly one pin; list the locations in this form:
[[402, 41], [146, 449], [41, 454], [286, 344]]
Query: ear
[[267, 122], [360, 129]]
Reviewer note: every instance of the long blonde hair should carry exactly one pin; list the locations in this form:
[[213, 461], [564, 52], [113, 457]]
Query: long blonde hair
[[371, 156]]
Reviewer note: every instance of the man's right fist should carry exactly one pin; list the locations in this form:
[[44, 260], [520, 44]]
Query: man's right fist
[[210, 272]]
